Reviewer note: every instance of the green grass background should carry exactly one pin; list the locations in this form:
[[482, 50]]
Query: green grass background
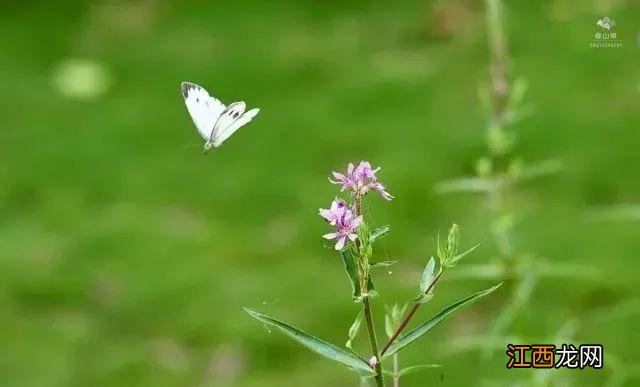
[[126, 256]]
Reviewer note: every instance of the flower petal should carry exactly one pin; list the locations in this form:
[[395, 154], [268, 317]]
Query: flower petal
[[339, 176], [327, 214], [340, 243], [331, 235]]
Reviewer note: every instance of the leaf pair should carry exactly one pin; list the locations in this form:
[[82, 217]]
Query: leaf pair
[[447, 253], [352, 361]]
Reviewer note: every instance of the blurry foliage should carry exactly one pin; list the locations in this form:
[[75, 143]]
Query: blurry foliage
[[127, 256]]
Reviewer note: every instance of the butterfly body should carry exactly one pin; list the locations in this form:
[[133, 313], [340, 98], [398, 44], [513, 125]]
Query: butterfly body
[[215, 121]]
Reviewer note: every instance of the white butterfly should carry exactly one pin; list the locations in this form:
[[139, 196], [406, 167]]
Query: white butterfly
[[215, 121]]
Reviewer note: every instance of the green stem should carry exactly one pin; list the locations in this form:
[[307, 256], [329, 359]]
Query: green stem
[[364, 280], [396, 375], [500, 61], [373, 340]]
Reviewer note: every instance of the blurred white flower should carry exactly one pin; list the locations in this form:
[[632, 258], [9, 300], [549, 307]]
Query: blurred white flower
[[81, 78]]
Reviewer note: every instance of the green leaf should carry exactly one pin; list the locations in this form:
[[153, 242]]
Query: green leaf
[[427, 275], [351, 268], [518, 90], [388, 325], [383, 263], [411, 369], [440, 249], [393, 317], [543, 168], [417, 368], [315, 344], [425, 327], [379, 232], [452, 240], [355, 328], [451, 262], [465, 184]]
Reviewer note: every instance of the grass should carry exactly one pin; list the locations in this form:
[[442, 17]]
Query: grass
[[127, 256]]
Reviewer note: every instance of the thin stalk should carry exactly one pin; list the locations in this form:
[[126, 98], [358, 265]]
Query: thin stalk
[[500, 84], [396, 374], [407, 317], [368, 315], [500, 89], [518, 280], [358, 204]]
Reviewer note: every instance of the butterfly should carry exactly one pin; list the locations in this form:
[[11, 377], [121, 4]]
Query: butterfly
[[215, 121]]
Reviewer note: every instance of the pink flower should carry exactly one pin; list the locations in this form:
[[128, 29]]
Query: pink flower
[[360, 180], [377, 186], [344, 180], [333, 214], [345, 220]]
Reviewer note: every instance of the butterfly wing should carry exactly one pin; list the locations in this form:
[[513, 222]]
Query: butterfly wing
[[204, 109], [230, 114], [232, 122]]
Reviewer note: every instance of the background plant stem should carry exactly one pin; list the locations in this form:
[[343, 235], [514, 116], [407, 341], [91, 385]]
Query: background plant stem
[[500, 84], [396, 376]]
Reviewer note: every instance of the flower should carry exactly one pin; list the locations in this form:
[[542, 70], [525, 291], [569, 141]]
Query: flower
[[346, 221], [360, 180], [333, 214]]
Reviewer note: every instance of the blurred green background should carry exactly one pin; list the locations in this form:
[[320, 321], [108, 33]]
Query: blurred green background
[[126, 256]]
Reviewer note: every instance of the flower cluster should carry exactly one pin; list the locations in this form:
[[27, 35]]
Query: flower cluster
[[358, 180], [346, 221]]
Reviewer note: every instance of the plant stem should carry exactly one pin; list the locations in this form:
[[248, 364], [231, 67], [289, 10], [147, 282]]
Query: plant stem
[[407, 317], [500, 84], [364, 281], [373, 340], [396, 375]]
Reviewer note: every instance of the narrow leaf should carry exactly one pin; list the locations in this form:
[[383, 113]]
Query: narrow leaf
[[453, 260], [465, 184], [379, 232], [351, 268], [440, 250], [417, 368], [315, 344], [427, 275], [543, 168], [355, 328], [388, 325], [410, 370], [383, 263], [452, 240], [425, 327]]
